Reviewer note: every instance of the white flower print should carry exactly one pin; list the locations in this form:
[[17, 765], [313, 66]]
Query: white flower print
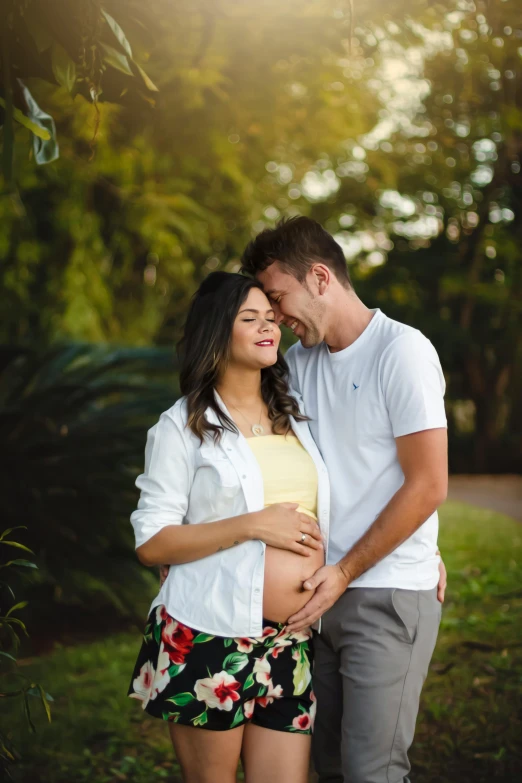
[[244, 645], [262, 670], [150, 682], [248, 708]]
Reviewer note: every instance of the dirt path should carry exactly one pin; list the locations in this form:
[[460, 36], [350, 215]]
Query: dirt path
[[498, 493]]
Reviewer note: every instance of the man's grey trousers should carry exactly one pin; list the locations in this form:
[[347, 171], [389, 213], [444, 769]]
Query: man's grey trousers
[[371, 660]]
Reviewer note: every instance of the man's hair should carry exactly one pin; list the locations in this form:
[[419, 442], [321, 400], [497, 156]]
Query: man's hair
[[297, 243]]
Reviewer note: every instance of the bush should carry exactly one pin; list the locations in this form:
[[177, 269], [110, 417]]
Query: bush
[[14, 686], [72, 427]]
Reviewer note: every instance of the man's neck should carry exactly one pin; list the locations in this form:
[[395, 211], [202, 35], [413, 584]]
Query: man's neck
[[348, 318]]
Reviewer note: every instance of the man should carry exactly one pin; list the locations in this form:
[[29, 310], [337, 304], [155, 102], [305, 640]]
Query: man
[[373, 389]]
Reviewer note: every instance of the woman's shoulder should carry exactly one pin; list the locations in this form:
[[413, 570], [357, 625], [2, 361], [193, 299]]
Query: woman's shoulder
[[177, 413]]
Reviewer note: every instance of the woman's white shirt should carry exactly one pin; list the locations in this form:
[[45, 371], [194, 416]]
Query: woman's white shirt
[[185, 482]]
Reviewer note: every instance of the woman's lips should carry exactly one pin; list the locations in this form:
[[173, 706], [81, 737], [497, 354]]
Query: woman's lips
[[265, 343]]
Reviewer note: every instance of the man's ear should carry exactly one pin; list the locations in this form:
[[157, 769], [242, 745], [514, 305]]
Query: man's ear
[[322, 277]]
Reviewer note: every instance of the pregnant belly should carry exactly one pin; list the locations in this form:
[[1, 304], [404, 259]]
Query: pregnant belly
[[285, 573]]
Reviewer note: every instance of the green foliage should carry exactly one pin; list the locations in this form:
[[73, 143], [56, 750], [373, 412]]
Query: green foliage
[[77, 46], [399, 130], [468, 728], [15, 687], [73, 425]]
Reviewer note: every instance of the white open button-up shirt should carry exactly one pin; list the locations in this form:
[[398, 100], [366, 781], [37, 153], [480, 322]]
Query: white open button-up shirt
[[186, 482]]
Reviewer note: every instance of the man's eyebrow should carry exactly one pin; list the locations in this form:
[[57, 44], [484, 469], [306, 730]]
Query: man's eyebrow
[[251, 310]]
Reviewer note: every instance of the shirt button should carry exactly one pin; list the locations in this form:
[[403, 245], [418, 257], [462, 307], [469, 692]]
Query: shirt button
[[229, 449], [257, 590], [243, 476]]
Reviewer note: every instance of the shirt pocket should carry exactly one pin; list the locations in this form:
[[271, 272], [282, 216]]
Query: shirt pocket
[[223, 473], [221, 480]]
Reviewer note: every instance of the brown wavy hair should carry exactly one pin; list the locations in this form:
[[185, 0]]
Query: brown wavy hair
[[204, 352]]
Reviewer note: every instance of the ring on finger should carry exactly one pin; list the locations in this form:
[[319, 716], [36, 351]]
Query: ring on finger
[[303, 537]]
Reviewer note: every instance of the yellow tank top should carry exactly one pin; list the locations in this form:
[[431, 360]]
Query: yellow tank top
[[289, 472]]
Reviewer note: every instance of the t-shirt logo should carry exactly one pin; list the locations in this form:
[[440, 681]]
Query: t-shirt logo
[[355, 386]]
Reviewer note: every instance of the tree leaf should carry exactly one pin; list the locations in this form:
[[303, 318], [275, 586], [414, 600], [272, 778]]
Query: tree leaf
[[148, 81], [34, 691], [19, 605], [118, 33], [23, 120], [64, 68], [28, 712], [9, 588], [18, 546], [45, 702], [45, 149], [10, 530], [6, 655], [16, 621], [116, 60], [24, 563]]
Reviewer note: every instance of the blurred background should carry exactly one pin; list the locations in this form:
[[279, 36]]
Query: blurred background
[[142, 146]]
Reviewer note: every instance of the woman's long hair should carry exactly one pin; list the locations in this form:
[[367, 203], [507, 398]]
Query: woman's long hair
[[205, 352]]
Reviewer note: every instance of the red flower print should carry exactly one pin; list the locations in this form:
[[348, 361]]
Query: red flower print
[[302, 722], [268, 631], [177, 640], [218, 691]]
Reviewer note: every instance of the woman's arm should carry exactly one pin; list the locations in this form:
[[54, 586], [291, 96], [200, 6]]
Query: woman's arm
[[161, 536], [280, 525], [177, 544]]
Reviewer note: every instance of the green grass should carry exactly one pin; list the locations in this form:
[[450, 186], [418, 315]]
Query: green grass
[[470, 724]]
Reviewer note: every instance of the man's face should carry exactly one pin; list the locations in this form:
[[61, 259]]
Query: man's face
[[296, 305]]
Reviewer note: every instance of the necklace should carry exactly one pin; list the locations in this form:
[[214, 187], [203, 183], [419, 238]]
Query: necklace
[[257, 429]]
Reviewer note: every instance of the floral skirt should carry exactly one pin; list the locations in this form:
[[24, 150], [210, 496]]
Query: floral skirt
[[218, 683]]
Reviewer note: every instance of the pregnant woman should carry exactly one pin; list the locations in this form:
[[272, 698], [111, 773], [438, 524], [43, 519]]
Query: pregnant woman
[[235, 499]]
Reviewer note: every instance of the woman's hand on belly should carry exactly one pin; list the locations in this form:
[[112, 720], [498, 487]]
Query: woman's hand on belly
[[283, 527]]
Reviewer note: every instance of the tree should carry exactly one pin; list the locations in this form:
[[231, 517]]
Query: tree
[[80, 47], [455, 220], [399, 130]]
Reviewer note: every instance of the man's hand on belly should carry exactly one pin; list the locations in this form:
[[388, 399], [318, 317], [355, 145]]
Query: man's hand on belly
[[329, 583]]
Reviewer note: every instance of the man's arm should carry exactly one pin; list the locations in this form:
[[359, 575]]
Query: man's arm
[[423, 457]]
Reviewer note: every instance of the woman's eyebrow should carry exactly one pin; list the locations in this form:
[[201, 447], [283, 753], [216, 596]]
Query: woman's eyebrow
[[251, 310]]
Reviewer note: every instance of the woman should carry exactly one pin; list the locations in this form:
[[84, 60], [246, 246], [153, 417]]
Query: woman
[[236, 454]]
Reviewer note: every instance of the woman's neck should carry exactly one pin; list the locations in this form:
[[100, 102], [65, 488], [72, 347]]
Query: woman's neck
[[240, 386]]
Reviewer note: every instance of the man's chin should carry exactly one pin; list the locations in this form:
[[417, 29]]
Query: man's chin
[[309, 341]]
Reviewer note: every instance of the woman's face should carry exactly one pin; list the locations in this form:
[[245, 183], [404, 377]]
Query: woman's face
[[255, 336]]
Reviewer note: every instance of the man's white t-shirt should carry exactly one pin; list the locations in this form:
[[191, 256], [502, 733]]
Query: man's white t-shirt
[[388, 383]]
